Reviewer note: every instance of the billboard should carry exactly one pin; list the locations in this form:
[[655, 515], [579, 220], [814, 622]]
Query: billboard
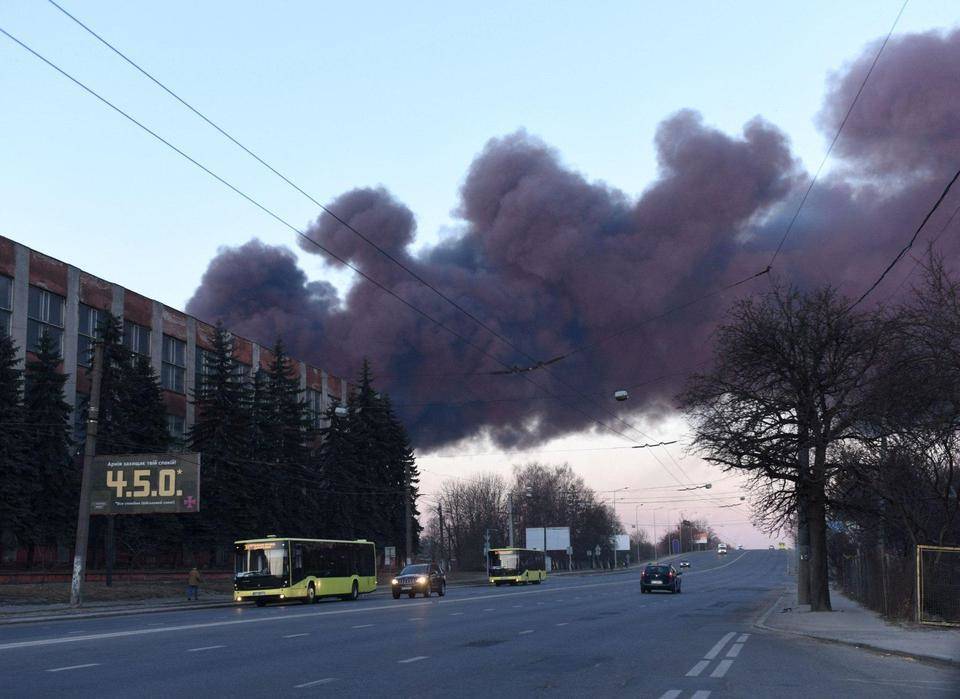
[[535, 538], [133, 484], [700, 538], [622, 542], [558, 538]]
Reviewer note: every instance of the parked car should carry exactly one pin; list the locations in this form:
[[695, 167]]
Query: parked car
[[660, 577], [419, 577], [684, 564]]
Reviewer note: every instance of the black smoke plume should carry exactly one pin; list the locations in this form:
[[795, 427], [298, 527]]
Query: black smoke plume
[[553, 261]]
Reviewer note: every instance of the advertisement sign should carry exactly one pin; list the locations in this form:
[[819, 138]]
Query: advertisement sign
[[622, 542], [389, 555], [558, 538], [700, 538], [535, 538], [133, 484]]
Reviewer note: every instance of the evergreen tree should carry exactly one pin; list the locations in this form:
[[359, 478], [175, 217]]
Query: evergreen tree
[[260, 453], [339, 498], [220, 433], [16, 482], [53, 501]]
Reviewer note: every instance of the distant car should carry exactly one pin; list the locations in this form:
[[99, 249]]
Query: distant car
[[740, 548], [419, 577], [722, 549], [660, 577], [684, 564], [770, 547]]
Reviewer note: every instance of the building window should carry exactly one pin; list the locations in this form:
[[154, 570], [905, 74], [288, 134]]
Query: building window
[[44, 318], [174, 368], [314, 400], [6, 304], [245, 373], [136, 338], [175, 426], [204, 368], [88, 331]]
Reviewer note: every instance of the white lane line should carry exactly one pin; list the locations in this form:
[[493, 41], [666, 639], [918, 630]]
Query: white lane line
[[456, 613], [721, 669], [518, 606], [361, 626], [414, 659], [715, 651], [415, 618], [734, 650], [490, 609], [195, 650], [296, 635], [563, 623], [71, 667], [670, 694], [698, 668], [325, 680], [742, 638], [522, 633], [701, 694]]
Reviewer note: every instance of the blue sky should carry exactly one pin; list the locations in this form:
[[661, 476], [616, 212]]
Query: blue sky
[[339, 95]]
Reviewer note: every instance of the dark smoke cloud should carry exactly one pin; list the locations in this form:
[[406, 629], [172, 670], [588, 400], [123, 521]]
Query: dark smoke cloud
[[552, 260]]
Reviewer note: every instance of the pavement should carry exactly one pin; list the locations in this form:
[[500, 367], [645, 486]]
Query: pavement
[[572, 636], [852, 624]]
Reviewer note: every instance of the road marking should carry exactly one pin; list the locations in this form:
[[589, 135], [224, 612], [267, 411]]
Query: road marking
[[715, 651], [670, 694], [919, 684], [325, 680], [734, 650], [490, 609], [195, 650], [763, 619], [415, 618], [742, 638], [361, 626], [414, 659], [721, 669], [563, 623], [296, 635], [71, 667], [701, 694], [73, 632], [518, 606], [522, 633], [456, 613], [698, 668]]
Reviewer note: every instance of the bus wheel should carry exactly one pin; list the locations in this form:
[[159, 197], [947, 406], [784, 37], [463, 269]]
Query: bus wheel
[[311, 597], [354, 592], [261, 603]]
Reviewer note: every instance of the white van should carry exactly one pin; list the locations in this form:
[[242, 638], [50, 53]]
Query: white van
[[721, 549]]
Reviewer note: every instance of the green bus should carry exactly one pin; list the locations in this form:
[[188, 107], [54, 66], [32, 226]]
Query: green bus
[[515, 566], [278, 568]]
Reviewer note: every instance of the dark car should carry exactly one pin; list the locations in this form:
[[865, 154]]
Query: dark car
[[684, 564], [658, 576], [419, 577]]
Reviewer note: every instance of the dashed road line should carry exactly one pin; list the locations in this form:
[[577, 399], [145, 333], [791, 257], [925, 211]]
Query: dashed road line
[[415, 618], [490, 609], [742, 638], [734, 650], [526, 631], [414, 659], [325, 680], [361, 626], [196, 650], [296, 635], [701, 694], [456, 613], [715, 651], [698, 668], [670, 694], [562, 623], [72, 667], [721, 669]]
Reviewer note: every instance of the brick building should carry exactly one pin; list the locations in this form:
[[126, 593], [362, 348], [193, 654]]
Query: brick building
[[42, 295]]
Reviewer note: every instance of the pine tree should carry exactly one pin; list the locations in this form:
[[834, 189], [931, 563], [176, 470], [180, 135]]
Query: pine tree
[[47, 441], [16, 483]]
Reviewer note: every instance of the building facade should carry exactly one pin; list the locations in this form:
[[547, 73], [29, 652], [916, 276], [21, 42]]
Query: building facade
[[40, 295]]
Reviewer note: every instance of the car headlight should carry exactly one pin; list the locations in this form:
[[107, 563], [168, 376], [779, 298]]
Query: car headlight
[[394, 582], [421, 579]]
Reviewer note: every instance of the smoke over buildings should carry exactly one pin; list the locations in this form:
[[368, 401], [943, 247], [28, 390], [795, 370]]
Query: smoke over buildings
[[553, 261]]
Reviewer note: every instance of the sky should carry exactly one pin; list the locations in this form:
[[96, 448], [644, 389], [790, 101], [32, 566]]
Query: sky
[[341, 95]]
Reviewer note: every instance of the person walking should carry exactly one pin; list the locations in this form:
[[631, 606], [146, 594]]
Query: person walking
[[193, 584]]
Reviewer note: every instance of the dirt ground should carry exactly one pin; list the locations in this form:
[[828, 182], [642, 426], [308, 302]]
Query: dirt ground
[[56, 592]]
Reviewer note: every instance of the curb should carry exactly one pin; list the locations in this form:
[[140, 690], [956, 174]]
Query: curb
[[931, 659]]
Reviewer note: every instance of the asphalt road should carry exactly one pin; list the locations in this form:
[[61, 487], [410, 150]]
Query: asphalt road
[[572, 636]]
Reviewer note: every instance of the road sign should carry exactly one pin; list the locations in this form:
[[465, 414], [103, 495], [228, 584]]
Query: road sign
[[134, 484], [389, 555]]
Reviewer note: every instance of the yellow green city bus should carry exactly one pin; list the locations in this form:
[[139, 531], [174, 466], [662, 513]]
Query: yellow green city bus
[[516, 566], [278, 568]]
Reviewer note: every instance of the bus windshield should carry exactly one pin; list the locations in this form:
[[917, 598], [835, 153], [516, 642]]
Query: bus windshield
[[260, 560], [504, 563]]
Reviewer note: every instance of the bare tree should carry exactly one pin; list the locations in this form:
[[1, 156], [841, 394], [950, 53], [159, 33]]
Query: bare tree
[[790, 376]]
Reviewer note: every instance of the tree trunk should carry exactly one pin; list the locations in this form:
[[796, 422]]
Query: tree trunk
[[817, 525], [803, 529]]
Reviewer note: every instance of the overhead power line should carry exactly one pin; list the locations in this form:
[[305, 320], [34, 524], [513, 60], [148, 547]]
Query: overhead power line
[[293, 228]]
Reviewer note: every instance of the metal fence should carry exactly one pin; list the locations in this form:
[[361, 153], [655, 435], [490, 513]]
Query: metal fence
[[879, 580], [938, 585]]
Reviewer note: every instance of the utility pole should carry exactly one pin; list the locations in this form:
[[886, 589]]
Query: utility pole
[[655, 552], [406, 511], [89, 451], [440, 520], [803, 530], [510, 516], [614, 540]]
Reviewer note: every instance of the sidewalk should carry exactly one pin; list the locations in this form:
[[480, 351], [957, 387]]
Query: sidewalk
[[851, 624]]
